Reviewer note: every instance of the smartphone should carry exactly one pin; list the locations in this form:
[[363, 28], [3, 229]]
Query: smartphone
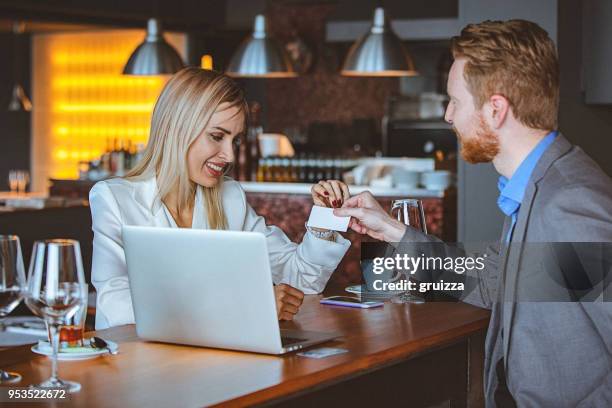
[[349, 302]]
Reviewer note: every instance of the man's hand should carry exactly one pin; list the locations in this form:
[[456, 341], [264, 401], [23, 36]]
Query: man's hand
[[368, 217], [288, 301]]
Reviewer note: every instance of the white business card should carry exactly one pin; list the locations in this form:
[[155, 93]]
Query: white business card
[[323, 217]]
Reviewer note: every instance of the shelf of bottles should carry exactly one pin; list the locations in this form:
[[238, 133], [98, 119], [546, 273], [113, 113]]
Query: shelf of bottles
[[302, 168], [85, 106]]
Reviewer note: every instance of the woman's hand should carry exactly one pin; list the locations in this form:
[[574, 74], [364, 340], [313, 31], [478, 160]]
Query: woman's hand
[[288, 301], [330, 193], [368, 217]]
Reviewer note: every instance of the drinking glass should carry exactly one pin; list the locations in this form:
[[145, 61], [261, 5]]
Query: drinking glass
[[12, 287], [410, 212], [56, 286], [22, 181], [13, 181], [72, 331]]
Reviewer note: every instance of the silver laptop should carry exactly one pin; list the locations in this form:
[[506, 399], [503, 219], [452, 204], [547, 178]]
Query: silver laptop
[[207, 288]]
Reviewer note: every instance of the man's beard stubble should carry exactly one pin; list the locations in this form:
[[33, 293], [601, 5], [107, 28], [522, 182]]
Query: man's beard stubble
[[482, 147]]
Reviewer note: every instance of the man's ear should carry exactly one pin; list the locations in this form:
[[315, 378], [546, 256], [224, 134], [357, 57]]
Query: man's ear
[[497, 110]]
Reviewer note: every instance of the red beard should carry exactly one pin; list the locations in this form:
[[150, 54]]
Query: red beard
[[479, 149]]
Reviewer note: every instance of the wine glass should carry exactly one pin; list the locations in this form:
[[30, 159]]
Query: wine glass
[[56, 286], [410, 212], [12, 287]]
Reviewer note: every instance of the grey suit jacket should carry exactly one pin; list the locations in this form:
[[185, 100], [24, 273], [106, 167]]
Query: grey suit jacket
[[556, 354]]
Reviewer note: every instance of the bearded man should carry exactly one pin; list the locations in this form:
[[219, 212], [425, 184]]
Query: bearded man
[[504, 95]]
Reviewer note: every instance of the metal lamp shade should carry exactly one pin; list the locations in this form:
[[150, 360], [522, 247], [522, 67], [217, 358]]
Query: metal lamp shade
[[154, 56], [380, 52], [19, 100], [260, 56]]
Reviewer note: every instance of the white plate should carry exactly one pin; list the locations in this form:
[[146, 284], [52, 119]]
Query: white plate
[[379, 294], [22, 330], [44, 348]]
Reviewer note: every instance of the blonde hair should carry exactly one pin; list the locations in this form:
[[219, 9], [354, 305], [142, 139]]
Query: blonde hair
[[181, 113], [516, 59]]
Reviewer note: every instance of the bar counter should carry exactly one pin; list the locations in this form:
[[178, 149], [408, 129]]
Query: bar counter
[[397, 355], [80, 188], [304, 188]]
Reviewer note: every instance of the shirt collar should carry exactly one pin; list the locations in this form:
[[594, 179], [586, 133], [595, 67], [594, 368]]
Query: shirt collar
[[513, 190]]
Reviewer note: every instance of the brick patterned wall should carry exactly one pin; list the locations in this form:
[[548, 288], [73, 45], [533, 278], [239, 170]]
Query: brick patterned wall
[[320, 95]]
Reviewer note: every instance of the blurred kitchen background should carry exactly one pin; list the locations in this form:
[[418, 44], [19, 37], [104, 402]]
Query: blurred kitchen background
[[69, 116]]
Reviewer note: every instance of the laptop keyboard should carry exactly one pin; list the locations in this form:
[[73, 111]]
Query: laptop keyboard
[[286, 341]]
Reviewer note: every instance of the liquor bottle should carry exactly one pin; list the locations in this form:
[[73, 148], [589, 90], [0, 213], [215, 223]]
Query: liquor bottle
[[268, 175], [328, 169], [128, 156], [286, 170], [106, 157], [294, 175], [255, 129], [125, 151], [244, 173], [119, 159], [138, 153], [320, 172], [236, 168], [311, 168], [113, 161], [301, 170], [274, 169], [261, 170], [338, 168]]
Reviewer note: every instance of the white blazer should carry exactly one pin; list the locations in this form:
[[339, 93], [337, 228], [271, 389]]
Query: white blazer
[[117, 202]]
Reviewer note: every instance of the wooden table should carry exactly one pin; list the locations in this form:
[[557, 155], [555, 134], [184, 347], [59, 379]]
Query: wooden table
[[398, 355]]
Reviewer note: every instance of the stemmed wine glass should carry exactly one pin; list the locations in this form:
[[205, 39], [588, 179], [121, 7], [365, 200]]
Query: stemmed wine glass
[[56, 286], [410, 212], [12, 287]]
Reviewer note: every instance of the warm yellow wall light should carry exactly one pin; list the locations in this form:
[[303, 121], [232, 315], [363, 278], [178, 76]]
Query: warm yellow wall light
[[85, 103], [115, 106]]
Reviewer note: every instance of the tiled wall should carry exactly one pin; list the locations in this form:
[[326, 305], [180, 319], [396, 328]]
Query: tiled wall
[[83, 103], [321, 94]]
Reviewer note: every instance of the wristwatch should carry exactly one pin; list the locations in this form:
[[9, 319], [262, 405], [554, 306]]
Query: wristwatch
[[326, 235]]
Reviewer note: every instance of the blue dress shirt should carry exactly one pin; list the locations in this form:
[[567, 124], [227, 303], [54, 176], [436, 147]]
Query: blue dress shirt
[[513, 190]]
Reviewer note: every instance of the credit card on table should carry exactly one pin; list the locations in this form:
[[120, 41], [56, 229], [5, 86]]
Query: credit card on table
[[322, 352], [323, 217]]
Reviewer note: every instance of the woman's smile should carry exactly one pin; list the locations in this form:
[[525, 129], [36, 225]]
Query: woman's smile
[[215, 169]]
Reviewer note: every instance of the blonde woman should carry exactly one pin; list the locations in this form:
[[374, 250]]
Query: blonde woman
[[180, 183]]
